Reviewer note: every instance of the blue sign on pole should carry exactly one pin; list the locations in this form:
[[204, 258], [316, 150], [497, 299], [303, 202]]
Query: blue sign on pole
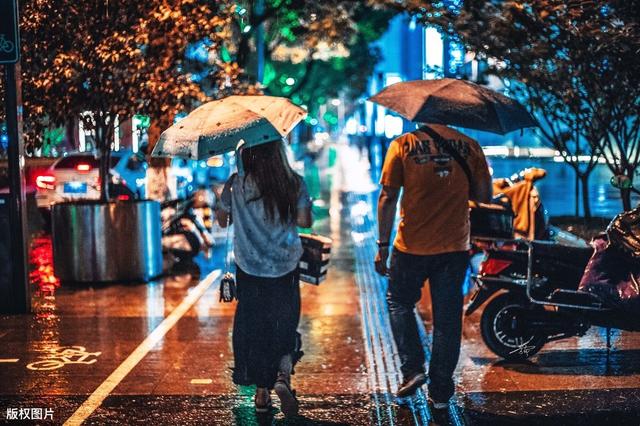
[[9, 39]]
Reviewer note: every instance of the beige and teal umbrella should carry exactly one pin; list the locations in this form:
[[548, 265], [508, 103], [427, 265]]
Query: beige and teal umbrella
[[226, 124]]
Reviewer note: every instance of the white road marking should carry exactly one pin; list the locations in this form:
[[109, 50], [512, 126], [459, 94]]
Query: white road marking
[[99, 395], [201, 381], [9, 360]]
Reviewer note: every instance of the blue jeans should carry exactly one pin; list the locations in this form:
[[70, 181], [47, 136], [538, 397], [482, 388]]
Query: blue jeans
[[446, 273]]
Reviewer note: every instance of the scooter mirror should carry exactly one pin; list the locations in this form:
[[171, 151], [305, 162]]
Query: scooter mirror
[[622, 182]]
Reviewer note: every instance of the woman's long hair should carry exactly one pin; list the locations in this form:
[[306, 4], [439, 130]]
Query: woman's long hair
[[278, 185]]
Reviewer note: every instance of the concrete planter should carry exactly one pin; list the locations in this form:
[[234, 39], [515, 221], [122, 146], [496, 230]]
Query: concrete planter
[[102, 242]]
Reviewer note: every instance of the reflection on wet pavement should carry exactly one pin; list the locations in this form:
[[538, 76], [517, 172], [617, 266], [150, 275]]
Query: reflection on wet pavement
[[78, 335]]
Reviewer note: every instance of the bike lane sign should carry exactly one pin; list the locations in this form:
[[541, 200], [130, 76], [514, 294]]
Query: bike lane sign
[[9, 39]]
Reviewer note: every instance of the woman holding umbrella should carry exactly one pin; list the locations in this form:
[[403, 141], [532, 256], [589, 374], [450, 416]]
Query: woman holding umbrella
[[265, 203]]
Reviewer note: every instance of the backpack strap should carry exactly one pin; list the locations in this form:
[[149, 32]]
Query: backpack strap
[[449, 150]]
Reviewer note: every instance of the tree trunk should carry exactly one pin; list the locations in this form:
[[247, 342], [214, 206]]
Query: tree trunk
[[586, 205], [105, 153], [577, 193], [244, 51], [625, 194], [157, 186], [70, 129]]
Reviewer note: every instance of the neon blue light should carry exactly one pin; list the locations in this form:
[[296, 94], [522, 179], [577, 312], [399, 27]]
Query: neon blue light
[[456, 56], [198, 51]]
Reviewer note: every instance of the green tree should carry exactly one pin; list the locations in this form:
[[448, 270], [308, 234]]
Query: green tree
[[578, 62], [313, 50], [312, 77], [101, 60]]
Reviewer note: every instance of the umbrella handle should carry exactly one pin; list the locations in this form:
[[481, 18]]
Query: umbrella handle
[[239, 164]]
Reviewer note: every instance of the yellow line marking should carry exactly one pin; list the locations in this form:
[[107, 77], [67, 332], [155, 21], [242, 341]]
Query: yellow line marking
[[99, 395], [201, 381], [10, 360]]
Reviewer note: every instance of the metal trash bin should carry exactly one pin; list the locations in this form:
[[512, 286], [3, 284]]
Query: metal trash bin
[[106, 242]]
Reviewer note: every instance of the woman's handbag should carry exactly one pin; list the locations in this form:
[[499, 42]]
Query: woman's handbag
[[314, 262], [228, 291]]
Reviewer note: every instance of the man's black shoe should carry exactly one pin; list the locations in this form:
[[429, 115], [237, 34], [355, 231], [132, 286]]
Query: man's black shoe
[[439, 413], [411, 385]]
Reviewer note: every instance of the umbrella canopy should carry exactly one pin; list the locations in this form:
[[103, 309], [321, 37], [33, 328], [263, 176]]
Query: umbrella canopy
[[221, 126], [455, 102], [446, 133]]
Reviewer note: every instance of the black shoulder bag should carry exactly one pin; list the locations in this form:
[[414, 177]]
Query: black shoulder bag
[[451, 151]]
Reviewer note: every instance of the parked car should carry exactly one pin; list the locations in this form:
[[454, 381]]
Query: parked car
[[76, 177]]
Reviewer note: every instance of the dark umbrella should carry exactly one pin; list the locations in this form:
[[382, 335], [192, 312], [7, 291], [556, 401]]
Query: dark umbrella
[[457, 103]]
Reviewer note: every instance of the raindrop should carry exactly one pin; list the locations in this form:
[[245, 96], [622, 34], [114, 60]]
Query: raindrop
[[218, 123], [182, 127]]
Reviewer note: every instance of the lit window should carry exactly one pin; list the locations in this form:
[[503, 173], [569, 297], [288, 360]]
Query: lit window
[[433, 53]]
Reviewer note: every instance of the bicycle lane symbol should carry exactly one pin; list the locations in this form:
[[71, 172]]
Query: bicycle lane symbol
[[59, 357], [6, 45]]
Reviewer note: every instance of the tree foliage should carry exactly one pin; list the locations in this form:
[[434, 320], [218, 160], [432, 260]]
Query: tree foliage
[[103, 59], [120, 58], [314, 50], [579, 65]]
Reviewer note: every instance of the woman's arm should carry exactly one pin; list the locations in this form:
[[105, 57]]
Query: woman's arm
[[223, 198], [304, 219]]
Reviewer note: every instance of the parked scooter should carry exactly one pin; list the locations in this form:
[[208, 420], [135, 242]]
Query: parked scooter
[[184, 233], [537, 297], [518, 192]]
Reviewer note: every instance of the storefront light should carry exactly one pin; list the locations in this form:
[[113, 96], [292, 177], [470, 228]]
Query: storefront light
[[392, 126], [351, 127], [433, 52]]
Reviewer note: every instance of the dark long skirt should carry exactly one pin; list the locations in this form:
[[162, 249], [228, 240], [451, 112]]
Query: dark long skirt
[[265, 326]]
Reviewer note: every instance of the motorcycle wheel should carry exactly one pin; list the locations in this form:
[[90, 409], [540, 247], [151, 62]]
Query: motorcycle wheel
[[504, 331]]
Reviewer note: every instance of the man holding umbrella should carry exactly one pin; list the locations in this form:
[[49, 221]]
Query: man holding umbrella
[[439, 170]]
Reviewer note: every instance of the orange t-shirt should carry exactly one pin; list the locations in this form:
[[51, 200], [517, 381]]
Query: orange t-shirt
[[434, 209]]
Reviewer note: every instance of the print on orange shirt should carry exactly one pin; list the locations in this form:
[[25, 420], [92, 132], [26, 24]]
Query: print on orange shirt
[[434, 212]]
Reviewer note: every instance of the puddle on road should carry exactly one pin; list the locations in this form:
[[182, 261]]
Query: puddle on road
[[44, 285]]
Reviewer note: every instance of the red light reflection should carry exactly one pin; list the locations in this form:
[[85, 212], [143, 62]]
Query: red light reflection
[[41, 260]]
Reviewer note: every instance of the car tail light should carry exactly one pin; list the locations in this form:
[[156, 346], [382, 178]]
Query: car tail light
[[123, 197], [494, 266], [46, 182], [83, 167]]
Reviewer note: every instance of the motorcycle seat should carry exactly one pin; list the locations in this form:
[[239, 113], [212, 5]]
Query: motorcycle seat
[[569, 254]]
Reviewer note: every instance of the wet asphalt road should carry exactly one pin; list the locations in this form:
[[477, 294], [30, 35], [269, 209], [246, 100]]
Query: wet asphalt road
[[79, 336]]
